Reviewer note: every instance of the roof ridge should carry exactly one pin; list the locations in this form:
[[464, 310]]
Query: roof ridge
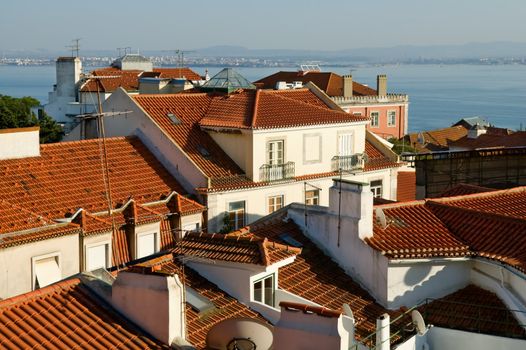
[[480, 194], [475, 212], [87, 141], [41, 292], [255, 108]]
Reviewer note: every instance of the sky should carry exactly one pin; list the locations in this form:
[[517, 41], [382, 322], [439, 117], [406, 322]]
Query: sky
[[268, 24]]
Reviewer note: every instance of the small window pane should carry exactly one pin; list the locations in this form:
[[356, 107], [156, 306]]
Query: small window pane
[[269, 291], [258, 291]]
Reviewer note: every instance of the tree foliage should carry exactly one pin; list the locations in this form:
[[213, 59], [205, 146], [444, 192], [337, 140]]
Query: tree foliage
[[16, 113], [401, 146]]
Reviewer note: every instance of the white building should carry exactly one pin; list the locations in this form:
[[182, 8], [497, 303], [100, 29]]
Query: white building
[[250, 152]]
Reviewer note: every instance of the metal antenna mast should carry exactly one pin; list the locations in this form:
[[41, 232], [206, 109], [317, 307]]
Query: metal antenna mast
[[75, 47], [180, 58]]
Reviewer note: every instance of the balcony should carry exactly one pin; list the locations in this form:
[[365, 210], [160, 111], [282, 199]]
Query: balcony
[[351, 162], [276, 172]]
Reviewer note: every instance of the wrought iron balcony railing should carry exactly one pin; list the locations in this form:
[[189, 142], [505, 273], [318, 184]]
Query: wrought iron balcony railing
[[275, 172], [351, 162]]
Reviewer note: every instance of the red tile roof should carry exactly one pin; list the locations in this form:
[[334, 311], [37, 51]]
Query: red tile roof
[[376, 159], [225, 306], [464, 189], [316, 277], [329, 82], [259, 109], [15, 218], [472, 309], [318, 310], [65, 316], [494, 138], [435, 140], [113, 78], [67, 176], [38, 234], [406, 186], [247, 250], [489, 225]]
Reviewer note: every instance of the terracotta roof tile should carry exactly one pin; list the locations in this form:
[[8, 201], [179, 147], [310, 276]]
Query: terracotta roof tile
[[472, 309], [261, 109], [436, 140], [225, 306], [65, 316], [413, 231], [316, 277], [247, 250], [376, 159], [38, 234], [67, 176], [15, 218], [406, 186], [329, 82], [464, 189], [494, 138]]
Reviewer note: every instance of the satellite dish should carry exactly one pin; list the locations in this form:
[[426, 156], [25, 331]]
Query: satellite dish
[[418, 322], [381, 217], [240, 334], [347, 310]]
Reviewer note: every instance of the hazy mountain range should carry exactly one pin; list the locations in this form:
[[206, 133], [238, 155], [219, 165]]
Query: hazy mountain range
[[402, 52]]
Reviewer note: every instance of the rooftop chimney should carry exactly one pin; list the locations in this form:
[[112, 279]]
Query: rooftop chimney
[[347, 86], [19, 143], [153, 300], [383, 341], [476, 130], [311, 327], [381, 85]]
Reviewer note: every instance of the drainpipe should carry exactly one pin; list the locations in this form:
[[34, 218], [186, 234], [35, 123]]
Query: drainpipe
[[383, 333]]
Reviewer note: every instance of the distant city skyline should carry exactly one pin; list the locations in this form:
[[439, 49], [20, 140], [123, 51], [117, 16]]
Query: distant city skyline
[[307, 24]]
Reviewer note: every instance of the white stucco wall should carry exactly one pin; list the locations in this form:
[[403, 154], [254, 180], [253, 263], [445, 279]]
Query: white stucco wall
[[238, 147], [192, 220], [19, 143], [16, 264], [411, 281], [294, 146], [440, 338]]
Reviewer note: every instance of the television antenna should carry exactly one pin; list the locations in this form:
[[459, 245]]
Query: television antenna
[[180, 57], [75, 47]]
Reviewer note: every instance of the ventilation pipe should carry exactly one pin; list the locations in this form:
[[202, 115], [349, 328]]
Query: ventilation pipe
[[383, 332]]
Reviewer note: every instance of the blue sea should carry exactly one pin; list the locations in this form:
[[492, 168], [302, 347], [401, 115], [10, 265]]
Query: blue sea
[[439, 94]]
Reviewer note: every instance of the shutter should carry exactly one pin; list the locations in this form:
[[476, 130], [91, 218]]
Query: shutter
[[145, 245], [96, 257], [47, 271], [345, 144]]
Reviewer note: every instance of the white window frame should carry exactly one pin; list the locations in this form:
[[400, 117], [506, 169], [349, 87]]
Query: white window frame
[[155, 243], [96, 244], [236, 212], [377, 190], [345, 152], [314, 198], [273, 152], [306, 141], [377, 114], [262, 280], [389, 121], [272, 206], [34, 259]]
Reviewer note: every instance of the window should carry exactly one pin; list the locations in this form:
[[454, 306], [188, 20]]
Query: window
[[236, 214], [311, 148], [198, 302], [275, 152], [275, 203], [391, 118], [194, 227], [312, 197], [146, 244], [376, 188], [97, 256], [46, 271], [375, 119], [345, 143], [264, 290]]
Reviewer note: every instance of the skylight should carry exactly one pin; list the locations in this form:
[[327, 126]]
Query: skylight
[[287, 238], [174, 119], [198, 302], [203, 151]]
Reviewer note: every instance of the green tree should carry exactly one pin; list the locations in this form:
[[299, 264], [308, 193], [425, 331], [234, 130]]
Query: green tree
[[16, 113], [401, 146]]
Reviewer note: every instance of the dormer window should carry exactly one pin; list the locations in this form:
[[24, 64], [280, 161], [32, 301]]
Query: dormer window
[[147, 244], [264, 290], [97, 256]]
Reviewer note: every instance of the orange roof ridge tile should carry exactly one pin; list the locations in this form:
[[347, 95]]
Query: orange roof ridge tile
[[487, 194], [37, 293], [319, 310], [255, 108]]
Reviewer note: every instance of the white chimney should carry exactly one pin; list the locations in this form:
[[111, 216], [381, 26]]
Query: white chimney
[[383, 333], [353, 200], [381, 85], [19, 143], [476, 130], [153, 300], [347, 86], [305, 327]]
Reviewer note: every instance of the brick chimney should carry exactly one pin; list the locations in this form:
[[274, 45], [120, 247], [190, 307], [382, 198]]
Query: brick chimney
[[347, 86], [153, 300], [381, 85]]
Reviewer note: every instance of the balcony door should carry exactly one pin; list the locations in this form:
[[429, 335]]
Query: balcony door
[[275, 159]]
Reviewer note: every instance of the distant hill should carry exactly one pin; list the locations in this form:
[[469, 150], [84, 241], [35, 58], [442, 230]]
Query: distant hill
[[401, 52]]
